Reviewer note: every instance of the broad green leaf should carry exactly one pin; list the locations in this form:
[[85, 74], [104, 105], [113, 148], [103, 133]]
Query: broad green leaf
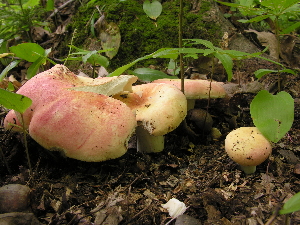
[[172, 66], [291, 28], [97, 59], [226, 60], [122, 69], [8, 68], [261, 72], [34, 67], [50, 5], [292, 205], [88, 55], [28, 51], [10, 86], [206, 43], [273, 115], [4, 50], [14, 101], [152, 9], [149, 75], [30, 4]]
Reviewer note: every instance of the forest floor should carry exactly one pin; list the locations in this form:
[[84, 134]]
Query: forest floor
[[131, 189], [196, 171]]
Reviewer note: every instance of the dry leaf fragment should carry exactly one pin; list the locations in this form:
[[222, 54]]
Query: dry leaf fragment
[[267, 39]]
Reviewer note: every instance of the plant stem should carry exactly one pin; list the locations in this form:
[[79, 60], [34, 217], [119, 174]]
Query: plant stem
[[278, 50], [26, 145], [180, 45]]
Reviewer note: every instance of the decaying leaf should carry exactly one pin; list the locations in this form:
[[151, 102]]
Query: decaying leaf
[[267, 39], [109, 35]]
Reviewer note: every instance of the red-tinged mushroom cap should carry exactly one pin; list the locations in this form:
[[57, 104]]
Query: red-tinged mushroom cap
[[84, 125], [197, 89], [160, 108]]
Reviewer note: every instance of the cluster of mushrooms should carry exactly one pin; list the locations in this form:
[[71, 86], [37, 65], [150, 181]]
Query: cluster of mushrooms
[[92, 119]]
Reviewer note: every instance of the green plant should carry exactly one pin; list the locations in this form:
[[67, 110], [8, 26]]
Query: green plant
[[226, 57], [30, 52], [292, 205], [19, 103], [92, 57], [268, 116], [17, 17], [273, 12], [152, 9]]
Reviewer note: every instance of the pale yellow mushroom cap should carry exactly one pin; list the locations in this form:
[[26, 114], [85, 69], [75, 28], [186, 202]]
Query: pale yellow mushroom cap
[[247, 146], [159, 108]]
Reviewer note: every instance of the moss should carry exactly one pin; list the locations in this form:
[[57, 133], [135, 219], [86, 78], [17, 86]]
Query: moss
[[141, 35]]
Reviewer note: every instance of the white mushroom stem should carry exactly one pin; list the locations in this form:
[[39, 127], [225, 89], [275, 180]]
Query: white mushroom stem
[[248, 169], [148, 143]]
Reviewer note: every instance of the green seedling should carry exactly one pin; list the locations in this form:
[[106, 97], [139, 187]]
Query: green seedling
[[261, 72], [273, 115], [19, 17], [31, 52], [273, 12], [18, 103], [292, 205], [92, 57], [152, 9], [226, 57], [149, 75]]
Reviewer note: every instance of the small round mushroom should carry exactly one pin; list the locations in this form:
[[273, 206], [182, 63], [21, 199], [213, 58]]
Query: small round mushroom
[[247, 147], [196, 89], [159, 108]]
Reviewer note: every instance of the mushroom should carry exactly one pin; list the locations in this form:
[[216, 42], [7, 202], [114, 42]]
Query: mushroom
[[196, 89], [159, 108], [247, 147], [83, 125]]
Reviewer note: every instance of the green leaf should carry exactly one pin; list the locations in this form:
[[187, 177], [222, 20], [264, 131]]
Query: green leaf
[[8, 68], [14, 101], [149, 75], [28, 51], [122, 69], [261, 72], [97, 59], [4, 49], [291, 28], [292, 205], [34, 67], [88, 55], [226, 60], [273, 115], [206, 43], [50, 5], [153, 10], [31, 4]]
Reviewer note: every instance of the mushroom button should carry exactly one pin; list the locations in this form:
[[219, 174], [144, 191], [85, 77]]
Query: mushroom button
[[247, 147]]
